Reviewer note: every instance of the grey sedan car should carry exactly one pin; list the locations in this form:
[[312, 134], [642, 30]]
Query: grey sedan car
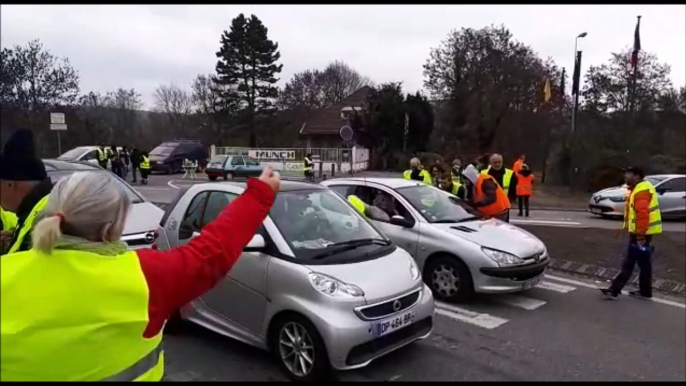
[[318, 284], [459, 252], [671, 190], [144, 217]]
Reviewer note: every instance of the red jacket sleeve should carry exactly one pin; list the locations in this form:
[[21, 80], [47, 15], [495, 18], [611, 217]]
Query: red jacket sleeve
[[642, 209], [180, 275]]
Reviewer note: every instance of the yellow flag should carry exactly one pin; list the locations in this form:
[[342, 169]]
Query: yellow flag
[[546, 91]]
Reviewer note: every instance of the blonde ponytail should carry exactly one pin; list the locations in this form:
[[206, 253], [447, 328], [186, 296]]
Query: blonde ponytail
[[46, 233]]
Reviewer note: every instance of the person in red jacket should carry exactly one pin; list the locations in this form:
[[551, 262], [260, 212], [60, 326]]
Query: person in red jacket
[[79, 291], [525, 182]]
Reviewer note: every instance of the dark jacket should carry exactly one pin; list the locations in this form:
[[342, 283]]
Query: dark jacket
[[512, 189], [135, 158], [39, 191]]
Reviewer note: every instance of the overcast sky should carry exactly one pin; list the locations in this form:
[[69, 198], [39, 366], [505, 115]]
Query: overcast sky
[[142, 46]]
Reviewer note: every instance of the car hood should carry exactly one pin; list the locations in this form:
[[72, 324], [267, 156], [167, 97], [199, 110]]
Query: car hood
[[496, 234], [613, 191], [380, 279], [143, 217]]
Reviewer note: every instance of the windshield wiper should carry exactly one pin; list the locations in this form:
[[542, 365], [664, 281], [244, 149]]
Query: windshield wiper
[[455, 221], [336, 248]]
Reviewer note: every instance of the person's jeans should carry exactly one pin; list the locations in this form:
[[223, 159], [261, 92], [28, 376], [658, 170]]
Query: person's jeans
[[133, 172], [633, 257], [523, 202]]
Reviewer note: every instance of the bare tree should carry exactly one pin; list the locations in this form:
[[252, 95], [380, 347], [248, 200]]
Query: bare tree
[[340, 80], [177, 105]]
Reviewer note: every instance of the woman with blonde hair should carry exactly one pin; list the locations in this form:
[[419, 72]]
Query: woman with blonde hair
[[79, 307]]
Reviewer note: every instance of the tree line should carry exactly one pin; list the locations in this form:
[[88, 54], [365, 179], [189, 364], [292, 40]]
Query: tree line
[[485, 93]]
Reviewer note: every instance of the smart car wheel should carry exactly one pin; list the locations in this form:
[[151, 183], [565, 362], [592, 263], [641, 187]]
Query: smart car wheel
[[300, 350], [449, 279]]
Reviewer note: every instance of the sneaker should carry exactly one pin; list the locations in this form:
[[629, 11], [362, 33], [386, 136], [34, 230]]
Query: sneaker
[[637, 295], [608, 294]]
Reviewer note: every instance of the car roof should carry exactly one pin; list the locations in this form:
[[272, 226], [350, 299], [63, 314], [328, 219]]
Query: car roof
[[389, 182], [55, 164], [286, 185], [666, 175]]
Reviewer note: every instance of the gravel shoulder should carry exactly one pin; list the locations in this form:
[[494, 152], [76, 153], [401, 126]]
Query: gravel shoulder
[[599, 247]]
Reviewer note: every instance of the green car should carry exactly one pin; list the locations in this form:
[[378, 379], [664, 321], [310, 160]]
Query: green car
[[232, 166]]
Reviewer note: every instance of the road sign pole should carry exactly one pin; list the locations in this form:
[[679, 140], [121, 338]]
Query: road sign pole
[[59, 143]]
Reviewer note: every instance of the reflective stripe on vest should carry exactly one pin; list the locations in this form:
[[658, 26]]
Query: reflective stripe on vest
[[507, 177], [82, 322], [524, 184], [28, 224], [145, 162], [308, 165], [426, 177], [501, 204], [654, 214]]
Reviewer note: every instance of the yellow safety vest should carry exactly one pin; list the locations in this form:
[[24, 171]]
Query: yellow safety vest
[[102, 156], [75, 316], [308, 164], [145, 162], [426, 177], [8, 219], [358, 204], [456, 187], [654, 218], [28, 224], [506, 178]]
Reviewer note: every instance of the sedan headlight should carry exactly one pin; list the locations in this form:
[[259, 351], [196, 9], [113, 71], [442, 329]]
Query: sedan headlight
[[333, 287], [617, 198], [502, 258]]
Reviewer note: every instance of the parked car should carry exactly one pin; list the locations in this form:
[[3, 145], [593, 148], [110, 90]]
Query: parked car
[[671, 190], [316, 273], [458, 251], [232, 166], [168, 157], [144, 217], [82, 153]]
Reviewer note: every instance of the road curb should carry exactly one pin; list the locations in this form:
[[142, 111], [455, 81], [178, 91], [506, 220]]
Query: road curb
[[605, 273]]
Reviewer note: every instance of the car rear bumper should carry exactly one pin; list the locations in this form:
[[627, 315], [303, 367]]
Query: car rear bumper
[[351, 345], [213, 172], [495, 280]]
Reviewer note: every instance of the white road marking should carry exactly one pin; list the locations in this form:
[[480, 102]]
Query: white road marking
[[549, 222], [460, 314], [592, 286], [546, 285], [171, 184], [519, 301]]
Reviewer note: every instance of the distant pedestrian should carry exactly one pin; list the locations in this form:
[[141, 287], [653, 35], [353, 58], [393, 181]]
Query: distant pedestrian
[[642, 219], [135, 158], [456, 169], [145, 167], [115, 161], [124, 158], [436, 172], [309, 173], [517, 166], [417, 172], [525, 182]]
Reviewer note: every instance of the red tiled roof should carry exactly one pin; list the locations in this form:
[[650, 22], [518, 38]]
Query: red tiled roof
[[328, 120]]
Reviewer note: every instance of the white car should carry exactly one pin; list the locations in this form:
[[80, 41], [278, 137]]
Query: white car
[[82, 154]]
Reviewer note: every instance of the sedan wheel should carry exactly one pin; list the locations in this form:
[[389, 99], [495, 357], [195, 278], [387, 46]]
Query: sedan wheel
[[449, 279], [300, 349]]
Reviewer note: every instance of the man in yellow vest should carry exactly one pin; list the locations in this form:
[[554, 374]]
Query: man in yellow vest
[[144, 166], [103, 156], [309, 175], [642, 219], [24, 186], [8, 221], [451, 185], [505, 177], [417, 172]]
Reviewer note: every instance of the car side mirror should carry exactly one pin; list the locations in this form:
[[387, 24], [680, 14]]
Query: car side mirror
[[256, 244], [402, 221]]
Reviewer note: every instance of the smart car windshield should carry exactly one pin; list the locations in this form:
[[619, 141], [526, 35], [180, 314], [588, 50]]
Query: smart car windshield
[[316, 223], [438, 206]]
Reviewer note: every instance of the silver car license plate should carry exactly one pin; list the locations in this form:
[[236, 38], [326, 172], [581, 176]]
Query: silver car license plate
[[595, 210], [393, 324], [531, 283]]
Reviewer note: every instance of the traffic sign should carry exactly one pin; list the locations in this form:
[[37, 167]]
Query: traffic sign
[[57, 118], [58, 126]]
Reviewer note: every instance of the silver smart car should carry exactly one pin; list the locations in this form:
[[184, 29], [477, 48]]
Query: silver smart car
[[459, 252], [318, 285]]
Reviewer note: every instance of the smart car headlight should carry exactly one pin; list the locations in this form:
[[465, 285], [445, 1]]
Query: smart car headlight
[[333, 287], [502, 258], [414, 270]]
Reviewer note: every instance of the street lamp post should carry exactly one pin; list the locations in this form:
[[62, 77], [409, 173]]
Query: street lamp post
[[576, 97]]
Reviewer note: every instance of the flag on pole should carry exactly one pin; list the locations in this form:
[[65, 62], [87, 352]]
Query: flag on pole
[[546, 91], [562, 82], [637, 45], [577, 74]]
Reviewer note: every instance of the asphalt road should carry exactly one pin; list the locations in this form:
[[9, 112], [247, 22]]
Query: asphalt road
[[559, 331]]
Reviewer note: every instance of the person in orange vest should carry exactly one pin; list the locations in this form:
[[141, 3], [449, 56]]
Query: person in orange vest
[[525, 181], [519, 163], [487, 196]]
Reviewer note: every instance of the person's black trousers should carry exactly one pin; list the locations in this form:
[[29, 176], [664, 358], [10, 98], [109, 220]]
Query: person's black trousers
[[133, 172], [645, 276], [523, 202]]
